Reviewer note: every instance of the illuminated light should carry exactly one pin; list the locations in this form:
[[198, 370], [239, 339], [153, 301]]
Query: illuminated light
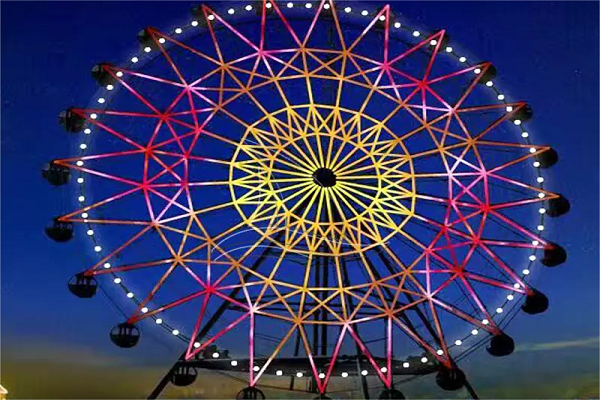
[[541, 195], [364, 372], [107, 265], [194, 23], [462, 59], [79, 163], [308, 5], [535, 243], [299, 374], [119, 74], [485, 322], [178, 31], [87, 131], [532, 150], [144, 310], [117, 280], [344, 374], [130, 295], [290, 5], [279, 372], [525, 134], [458, 342], [321, 375], [97, 249], [101, 100], [397, 25], [94, 116], [256, 368], [84, 215], [499, 310], [384, 369], [517, 122], [233, 363], [424, 360], [196, 344], [158, 321], [501, 97], [79, 180], [90, 232], [248, 7], [448, 49], [489, 84], [269, 5], [211, 17], [216, 355], [516, 285], [433, 42], [81, 198], [109, 87], [364, 13], [477, 71], [440, 352], [161, 40], [348, 9], [405, 365], [510, 297], [540, 227], [525, 271], [532, 258], [326, 6], [509, 108], [474, 332], [536, 164], [542, 211], [231, 11], [175, 332], [83, 146], [416, 33], [382, 18], [540, 179]]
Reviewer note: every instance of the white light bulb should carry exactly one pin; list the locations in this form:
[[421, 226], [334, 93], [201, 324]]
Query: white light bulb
[[161, 40], [397, 25], [510, 297], [211, 17], [101, 100], [348, 9], [416, 33], [501, 97], [84, 215], [134, 59], [458, 342], [107, 265], [144, 310], [119, 74], [130, 295], [79, 163], [364, 13], [83, 146], [532, 150], [216, 355], [474, 332], [448, 49], [541, 195], [516, 286], [440, 352], [326, 6], [109, 87], [158, 321], [433, 42], [542, 211], [517, 122], [532, 258], [424, 360], [405, 365], [147, 49], [90, 232], [485, 322], [364, 372], [97, 249], [382, 17], [178, 31], [384, 369], [194, 23], [477, 71], [321, 375], [535, 243], [509, 108], [462, 59], [540, 227], [344, 374], [197, 345], [525, 271], [231, 11], [94, 116], [540, 179], [308, 5], [79, 180], [536, 164], [290, 5], [81, 198], [233, 362], [525, 134], [87, 131], [117, 280], [248, 7], [499, 310], [299, 374], [175, 332], [489, 84]]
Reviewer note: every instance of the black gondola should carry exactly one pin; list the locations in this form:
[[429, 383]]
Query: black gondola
[[125, 335], [501, 345], [83, 286], [146, 39], [535, 302], [487, 75], [60, 231], [450, 378], [391, 394], [523, 114], [56, 175], [547, 158], [553, 255], [558, 206], [71, 121], [101, 74], [184, 375], [250, 392]]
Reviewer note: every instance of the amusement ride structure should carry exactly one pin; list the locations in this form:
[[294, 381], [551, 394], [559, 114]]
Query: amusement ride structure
[[315, 187]]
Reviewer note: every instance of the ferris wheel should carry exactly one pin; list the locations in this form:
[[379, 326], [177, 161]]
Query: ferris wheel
[[309, 191]]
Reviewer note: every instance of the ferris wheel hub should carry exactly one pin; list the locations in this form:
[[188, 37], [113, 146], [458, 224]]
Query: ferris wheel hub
[[324, 177]]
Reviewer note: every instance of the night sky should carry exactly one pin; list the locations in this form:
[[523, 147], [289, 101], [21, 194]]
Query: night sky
[[546, 53]]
